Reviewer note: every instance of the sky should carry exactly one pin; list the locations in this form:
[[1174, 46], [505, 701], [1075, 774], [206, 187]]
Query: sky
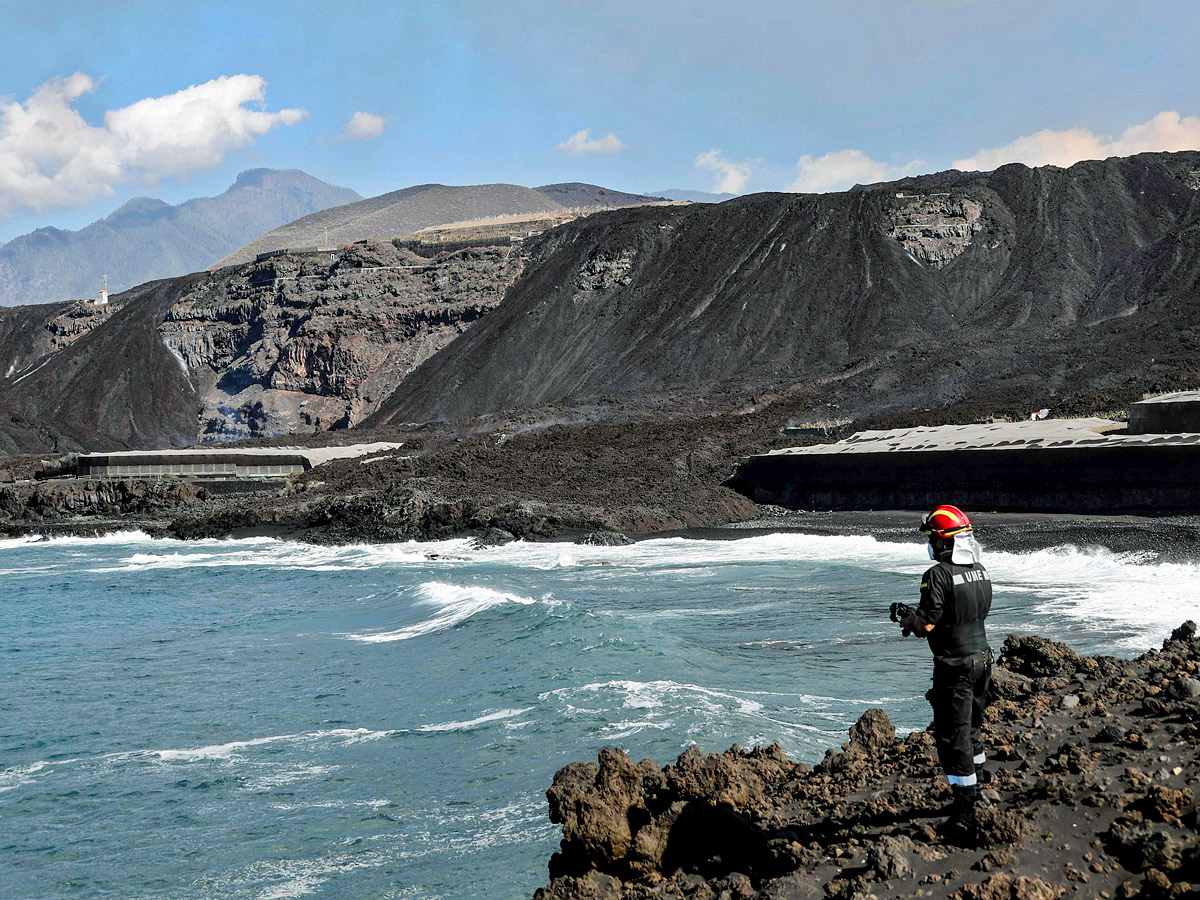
[[102, 102]]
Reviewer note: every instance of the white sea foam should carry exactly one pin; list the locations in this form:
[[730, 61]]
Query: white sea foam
[[470, 724], [451, 605], [235, 748], [1093, 585], [1087, 584], [284, 777], [1126, 591], [269, 553], [13, 778], [1096, 586], [28, 570], [692, 709], [113, 538], [447, 835]]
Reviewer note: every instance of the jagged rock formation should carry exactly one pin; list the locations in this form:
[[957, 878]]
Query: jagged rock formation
[[297, 346], [147, 239], [1093, 794], [1021, 283], [290, 345], [935, 228], [423, 206], [30, 504]]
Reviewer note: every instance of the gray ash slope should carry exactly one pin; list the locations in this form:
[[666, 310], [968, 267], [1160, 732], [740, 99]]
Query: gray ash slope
[[1018, 283], [410, 209], [148, 239]]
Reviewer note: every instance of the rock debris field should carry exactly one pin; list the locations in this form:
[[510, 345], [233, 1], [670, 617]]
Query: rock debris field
[[1094, 765]]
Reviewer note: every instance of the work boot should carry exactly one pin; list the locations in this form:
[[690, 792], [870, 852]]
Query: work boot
[[962, 827], [987, 791]]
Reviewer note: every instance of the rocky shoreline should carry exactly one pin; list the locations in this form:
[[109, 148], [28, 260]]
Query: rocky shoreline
[[1094, 764]]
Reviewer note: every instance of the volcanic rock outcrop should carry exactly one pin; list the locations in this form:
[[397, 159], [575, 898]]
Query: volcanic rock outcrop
[[1093, 794], [300, 345], [290, 345], [935, 228]]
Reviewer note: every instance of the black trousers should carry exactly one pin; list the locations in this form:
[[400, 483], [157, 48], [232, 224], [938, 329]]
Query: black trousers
[[959, 697]]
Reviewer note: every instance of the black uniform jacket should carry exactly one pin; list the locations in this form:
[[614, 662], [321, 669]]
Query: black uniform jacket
[[956, 600]]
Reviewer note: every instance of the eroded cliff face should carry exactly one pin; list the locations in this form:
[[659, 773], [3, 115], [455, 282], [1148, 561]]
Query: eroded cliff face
[[935, 228], [297, 345]]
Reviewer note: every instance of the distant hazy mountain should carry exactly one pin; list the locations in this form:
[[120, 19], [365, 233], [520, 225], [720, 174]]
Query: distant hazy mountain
[[147, 239], [425, 205], [694, 196]]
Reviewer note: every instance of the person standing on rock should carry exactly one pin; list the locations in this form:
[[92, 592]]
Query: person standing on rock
[[956, 596]]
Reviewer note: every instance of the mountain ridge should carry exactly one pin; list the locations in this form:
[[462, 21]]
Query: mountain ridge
[[713, 307], [422, 206], [1010, 289]]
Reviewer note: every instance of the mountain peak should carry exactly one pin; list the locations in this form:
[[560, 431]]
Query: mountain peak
[[252, 178], [138, 210]]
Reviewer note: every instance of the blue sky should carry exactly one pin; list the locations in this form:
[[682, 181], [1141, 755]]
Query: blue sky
[[704, 95]]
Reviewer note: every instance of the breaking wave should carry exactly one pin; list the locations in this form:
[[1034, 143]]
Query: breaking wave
[[235, 748], [452, 604], [470, 724]]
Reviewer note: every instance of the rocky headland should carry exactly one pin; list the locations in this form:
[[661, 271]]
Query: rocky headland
[[1094, 766]]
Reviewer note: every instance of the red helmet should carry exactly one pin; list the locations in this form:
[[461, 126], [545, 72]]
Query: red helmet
[[946, 521]]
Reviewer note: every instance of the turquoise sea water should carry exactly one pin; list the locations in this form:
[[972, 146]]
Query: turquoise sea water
[[261, 719]]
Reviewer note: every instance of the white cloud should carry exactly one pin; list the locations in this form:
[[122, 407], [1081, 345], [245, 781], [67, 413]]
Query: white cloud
[[1166, 131], [364, 126], [582, 142], [731, 176], [844, 169], [50, 156]]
